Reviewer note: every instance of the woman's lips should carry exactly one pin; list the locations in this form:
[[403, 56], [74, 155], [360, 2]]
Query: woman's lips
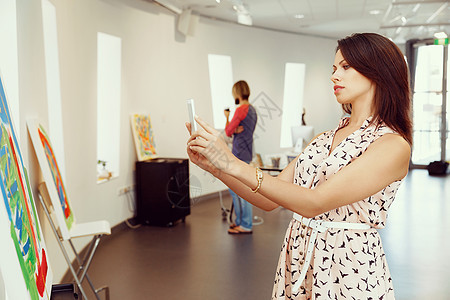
[[337, 88]]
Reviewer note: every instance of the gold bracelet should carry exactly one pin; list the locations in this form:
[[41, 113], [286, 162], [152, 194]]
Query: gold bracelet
[[259, 178]]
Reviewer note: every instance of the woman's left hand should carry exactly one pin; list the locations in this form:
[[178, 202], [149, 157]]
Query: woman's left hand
[[210, 144], [239, 129]]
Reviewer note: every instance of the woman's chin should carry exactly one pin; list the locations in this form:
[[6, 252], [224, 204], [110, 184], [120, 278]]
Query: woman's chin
[[342, 101]]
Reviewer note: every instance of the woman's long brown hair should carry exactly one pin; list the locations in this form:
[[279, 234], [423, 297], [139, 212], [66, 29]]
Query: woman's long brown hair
[[381, 61]]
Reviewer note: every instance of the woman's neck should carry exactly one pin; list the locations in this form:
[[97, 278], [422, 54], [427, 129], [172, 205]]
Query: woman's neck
[[359, 115]]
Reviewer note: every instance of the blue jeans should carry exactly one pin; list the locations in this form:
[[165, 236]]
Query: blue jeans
[[243, 211]]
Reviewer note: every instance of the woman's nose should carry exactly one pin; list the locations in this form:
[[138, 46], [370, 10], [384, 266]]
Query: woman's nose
[[335, 77]]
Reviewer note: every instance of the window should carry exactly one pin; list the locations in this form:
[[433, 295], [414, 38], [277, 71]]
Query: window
[[294, 78], [108, 105], [53, 82], [221, 82]]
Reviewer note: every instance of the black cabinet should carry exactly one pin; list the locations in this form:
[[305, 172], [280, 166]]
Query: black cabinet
[[65, 291], [162, 191]]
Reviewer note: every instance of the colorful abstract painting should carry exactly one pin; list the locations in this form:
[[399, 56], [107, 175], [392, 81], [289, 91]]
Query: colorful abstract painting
[[23, 249], [143, 137], [56, 175], [52, 177]]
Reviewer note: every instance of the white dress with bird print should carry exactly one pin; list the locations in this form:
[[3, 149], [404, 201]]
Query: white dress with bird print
[[346, 263]]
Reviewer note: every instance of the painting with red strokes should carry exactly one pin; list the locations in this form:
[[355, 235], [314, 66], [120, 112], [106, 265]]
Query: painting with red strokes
[[23, 260], [56, 176]]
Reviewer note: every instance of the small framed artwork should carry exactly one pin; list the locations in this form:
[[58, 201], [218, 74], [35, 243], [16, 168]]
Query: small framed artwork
[[144, 139]]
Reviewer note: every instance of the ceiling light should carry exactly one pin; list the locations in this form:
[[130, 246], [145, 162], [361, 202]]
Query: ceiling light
[[403, 20], [440, 35], [218, 1], [395, 19], [375, 12], [243, 14], [299, 16], [437, 12], [244, 19]]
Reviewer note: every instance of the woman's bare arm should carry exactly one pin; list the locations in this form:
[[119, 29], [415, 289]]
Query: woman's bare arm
[[384, 162]]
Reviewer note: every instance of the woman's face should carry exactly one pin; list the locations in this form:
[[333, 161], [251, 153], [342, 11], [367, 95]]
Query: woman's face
[[350, 86]]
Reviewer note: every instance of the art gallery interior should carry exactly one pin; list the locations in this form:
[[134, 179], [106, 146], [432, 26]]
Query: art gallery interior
[[85, 80]]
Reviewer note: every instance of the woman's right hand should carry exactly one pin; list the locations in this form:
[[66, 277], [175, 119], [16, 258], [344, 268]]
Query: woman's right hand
[[211, 146], [198, 159]]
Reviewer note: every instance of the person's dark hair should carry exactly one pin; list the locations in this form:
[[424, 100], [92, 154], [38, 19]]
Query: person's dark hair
[[380, 60], [242, 89]]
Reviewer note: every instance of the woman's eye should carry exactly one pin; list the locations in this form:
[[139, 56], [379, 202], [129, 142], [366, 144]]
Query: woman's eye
[[346, 67]]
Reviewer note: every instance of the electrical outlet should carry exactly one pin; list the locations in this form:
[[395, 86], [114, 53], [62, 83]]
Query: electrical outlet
[[126, 189], [123, 190]]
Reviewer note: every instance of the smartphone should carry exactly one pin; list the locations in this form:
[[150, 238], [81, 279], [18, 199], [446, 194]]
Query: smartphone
[[191, 110]]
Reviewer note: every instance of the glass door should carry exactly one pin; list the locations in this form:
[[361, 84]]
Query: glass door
[[430, 104]]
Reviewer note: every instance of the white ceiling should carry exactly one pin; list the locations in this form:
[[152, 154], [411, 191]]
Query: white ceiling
[[398, 19]]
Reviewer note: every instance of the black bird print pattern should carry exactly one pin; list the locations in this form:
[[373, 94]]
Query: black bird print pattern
[[346, 263]]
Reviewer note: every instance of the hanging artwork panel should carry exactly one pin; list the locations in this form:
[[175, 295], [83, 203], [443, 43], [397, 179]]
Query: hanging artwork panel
[[143, 137], [23, 263]]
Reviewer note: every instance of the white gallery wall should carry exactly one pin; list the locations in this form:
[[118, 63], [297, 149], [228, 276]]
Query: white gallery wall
[[160, 70]]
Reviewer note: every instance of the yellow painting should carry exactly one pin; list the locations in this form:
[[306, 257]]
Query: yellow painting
[[144, 139]]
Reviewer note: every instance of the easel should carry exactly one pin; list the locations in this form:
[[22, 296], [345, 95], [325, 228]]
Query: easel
[[55, 203], [227, 214], [95, 229]]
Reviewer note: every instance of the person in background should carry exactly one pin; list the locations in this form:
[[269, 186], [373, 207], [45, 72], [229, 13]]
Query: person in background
[[341, 186], [241, 127]]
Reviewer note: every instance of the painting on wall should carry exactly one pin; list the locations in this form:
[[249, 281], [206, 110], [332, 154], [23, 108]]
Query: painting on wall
[[143, 137], [23, 263], [52, 176]]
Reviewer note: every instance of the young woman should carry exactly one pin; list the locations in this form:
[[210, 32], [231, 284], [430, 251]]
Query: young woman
[[241, 128], [343, 183]]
